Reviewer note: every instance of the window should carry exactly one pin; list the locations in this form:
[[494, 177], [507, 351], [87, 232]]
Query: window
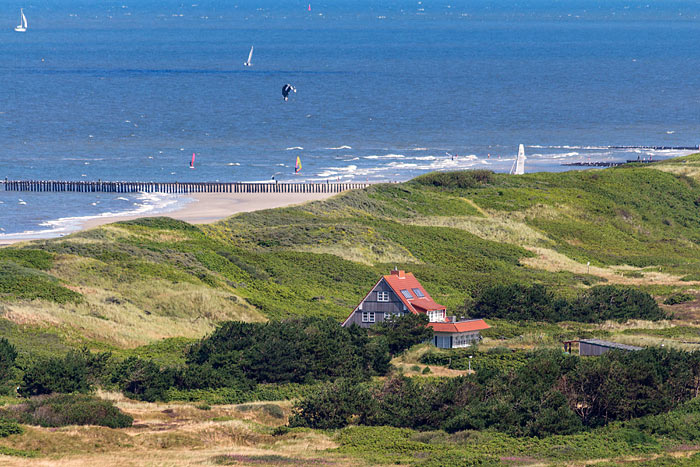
[[406, 294], [368, 317], [436, 315], [382, 296], [418, 293]]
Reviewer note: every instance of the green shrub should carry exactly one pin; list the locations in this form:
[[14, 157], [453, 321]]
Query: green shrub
[[8, 354], [27, 257], [600, 303], [335, 405], [19, 282], [451, 180], [143, 379], [9, 427], [75, 372], [68, 409], [402, 332], [680, 297], [426, 370]]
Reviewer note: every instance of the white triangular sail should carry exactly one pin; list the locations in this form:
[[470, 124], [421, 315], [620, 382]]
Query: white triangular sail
[[250, 57], [22, 27], [519, 164]]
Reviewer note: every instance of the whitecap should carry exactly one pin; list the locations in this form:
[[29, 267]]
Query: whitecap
[[340, 147], [386, 156], [233, 163], [294, 148]]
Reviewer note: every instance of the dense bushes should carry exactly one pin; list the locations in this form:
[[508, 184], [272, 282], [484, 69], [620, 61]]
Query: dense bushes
[[403, 332], [497, 358], [680, 297], [460, 179], [552, 394], [535, 302], [9, 427], [8, 354], [238, 356], [76, 372], [68, 409], [292, 351]]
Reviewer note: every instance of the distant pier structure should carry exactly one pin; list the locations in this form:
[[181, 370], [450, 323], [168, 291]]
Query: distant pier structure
[[176, 187]]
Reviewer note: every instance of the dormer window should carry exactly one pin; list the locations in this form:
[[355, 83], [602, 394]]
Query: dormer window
[[382, 296], [406, 294], [436, 316]]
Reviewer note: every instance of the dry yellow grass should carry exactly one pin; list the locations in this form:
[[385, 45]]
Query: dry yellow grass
[[497, 227], [551, 260], [171, 434]]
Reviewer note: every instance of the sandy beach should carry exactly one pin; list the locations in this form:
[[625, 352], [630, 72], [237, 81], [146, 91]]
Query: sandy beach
[[208, 207]]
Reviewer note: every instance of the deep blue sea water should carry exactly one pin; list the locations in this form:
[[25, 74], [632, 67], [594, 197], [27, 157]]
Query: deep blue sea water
[[128, 90]]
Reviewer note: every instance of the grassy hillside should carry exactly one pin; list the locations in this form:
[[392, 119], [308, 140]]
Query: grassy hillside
[[129, 283]]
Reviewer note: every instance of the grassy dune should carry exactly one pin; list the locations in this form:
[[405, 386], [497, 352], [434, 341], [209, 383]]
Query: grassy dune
[[253, 434], [130, 283]]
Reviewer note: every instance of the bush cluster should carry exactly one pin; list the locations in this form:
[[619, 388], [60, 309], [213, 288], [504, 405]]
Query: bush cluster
[[68, 409], [535, 302], [240, 356], [680, 297], [460, 179], [9, 427], [552, 394], [77, 371]]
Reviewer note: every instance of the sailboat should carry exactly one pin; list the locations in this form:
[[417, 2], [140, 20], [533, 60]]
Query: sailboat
[[22, 26], [519, 164], [192, 162], [250, 56], [297, 167]]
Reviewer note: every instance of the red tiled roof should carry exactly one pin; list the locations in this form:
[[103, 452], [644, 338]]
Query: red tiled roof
[[462, 326], [400, 280]]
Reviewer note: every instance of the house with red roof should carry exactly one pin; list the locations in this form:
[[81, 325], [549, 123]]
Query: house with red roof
[[400, 293]]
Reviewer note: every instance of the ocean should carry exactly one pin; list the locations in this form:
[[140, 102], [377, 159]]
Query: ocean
[[386, 90]]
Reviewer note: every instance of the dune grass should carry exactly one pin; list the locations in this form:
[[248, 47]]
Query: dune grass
[[138, 281]]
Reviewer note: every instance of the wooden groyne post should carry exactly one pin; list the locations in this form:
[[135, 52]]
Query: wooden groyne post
[[176, 187]]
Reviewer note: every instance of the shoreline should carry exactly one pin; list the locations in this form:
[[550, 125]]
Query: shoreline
[[204, 208]]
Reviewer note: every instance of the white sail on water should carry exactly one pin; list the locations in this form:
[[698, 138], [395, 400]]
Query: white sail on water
[[22, 27], [250, 57], [519, 164]]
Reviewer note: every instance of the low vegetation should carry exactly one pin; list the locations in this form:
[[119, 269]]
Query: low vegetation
[[595, 305], [67, 409], [247, 310], [551, 394]]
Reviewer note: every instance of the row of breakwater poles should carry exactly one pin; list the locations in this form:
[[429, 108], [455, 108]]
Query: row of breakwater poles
[[176, 187]]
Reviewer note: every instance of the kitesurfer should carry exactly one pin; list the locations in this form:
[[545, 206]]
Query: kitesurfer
[[286, 89]]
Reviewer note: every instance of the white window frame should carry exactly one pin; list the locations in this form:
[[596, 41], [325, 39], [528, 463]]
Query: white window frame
[[435, 316], [368, 316], [383, 296]]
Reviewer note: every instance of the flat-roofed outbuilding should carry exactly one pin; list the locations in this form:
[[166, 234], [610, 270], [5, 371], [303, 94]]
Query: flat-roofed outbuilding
[[595, 347]]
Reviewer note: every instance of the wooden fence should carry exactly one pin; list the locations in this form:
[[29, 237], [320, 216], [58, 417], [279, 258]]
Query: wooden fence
[[176, 187]]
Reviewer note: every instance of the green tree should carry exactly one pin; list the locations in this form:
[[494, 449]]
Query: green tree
[[402, 332], [8, 354]]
